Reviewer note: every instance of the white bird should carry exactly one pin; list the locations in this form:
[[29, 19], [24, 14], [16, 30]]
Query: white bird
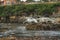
[[24, 0], [46, 19], [30, 20]]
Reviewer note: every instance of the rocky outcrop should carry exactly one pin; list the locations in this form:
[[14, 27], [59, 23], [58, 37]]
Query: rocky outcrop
[[43, 26]]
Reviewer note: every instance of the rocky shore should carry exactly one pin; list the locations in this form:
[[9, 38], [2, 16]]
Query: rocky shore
[[30, 38]]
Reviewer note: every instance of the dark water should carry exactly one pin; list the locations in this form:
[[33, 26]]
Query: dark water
[[20, 30]]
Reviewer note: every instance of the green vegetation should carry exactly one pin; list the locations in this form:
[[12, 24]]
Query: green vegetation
[[38, 9]]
